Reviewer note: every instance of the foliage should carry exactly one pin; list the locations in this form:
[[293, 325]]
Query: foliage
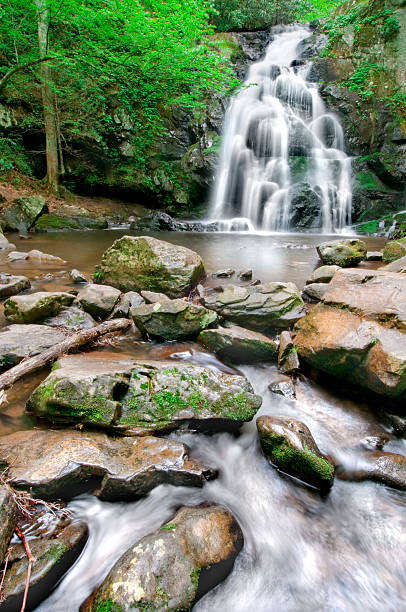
[[321, 8], [237, 15]]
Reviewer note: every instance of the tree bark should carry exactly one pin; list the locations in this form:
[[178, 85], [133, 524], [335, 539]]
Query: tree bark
[[45, 71], [27, 366]]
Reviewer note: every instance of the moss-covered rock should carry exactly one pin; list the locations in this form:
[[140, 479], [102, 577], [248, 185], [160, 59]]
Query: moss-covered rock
[[36, 306], [291, 447], [239, 345], [394, 249], [150, 396], [23, 212], [133, 264], [70, 218], [343, 253]]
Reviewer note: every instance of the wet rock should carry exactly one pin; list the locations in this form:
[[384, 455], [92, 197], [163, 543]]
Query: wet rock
[[374, 256], [284, 387], [17, 256], [323, 274], [288, 360], [56, 541], [315, 291], [36, 306], [226, 273], [343, 253], [289, 444], [56, 464], [35, 255], [394, 250], [128, 300], [239, 345], [20, 341], [163, 570], [71, 319], [157, 221], [151, 297], [23, 212], [78, 277], [258, 307], [399, 265], [355, 349], [172, 319], [11, 285], [375, 442], [98, 300], [150, 396], [4, 243], [145, 263], [70, 217], [245, 274], [398, 424], [8, 514], [380, 466]]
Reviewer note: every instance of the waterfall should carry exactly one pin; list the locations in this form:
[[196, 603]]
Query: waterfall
[[279, 140]]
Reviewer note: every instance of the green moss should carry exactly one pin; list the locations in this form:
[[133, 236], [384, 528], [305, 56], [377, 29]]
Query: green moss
[[169, 527], [194, 577], [55, 552], [108, 606]]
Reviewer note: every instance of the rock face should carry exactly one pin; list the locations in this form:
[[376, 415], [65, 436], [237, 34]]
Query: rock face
[[343, 253], [148, 396], [133, 264], [19, 341], [172, 319], [55, 542], [98, 300], [11, 285], [36, 306], [259, 307], [239, 345], [23, 212], [56, 464], [71, 319], [290, 446], [162, 571], [8, 513]]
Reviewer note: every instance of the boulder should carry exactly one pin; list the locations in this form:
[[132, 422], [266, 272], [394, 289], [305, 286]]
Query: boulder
[[134, 264], [323, 274], [55, 541], [98, 300], [35, 255], [380, 466], [245, 274], [315, 291], [128, 300], [36, 306], [284, 387], [11, 285], [157, 221], [289, 444], [166, 570], [20, 341], [258, 307], [122, 394], [23, 212], [343, 253], [151, 297], [374, 256], [239, 345], [63, 463], [71, 319], [394, 250], [399, 265], [69, 217], [8, 513], [288, 361], [78, 277], [172, 319]]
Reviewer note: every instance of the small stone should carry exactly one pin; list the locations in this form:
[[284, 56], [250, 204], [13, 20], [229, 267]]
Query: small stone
[[283, 387], [98, 300], [12, 285], [245, 274], [288, 360], [35, 255], [254, 283], [315, 291], [226, 273], [127, 301], [323, 274], [151, 297], [78, 277], [35, 306], [374, 256]]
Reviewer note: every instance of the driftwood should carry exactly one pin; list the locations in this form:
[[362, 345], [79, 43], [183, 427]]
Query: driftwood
[[31, 364]]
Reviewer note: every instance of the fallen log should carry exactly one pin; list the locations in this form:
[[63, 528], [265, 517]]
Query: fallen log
[[31, 364]]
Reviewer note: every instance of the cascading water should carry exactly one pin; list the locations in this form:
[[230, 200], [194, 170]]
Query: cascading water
[[279, 139]]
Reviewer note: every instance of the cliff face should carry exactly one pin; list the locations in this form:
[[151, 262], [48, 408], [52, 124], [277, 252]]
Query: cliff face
[[359, 59]]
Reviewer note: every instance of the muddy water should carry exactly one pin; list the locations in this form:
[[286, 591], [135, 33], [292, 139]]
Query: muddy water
[[303, 553]]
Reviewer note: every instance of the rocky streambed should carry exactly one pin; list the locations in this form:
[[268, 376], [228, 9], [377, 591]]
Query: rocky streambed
[[240, 446]]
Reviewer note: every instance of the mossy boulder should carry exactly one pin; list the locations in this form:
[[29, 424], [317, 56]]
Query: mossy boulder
[[137, 263], [289, 444], [167, 570], [36, 306], [137, 397], [343, 253], [239, 345], [70, 218], [23, 212], [395, 249], [172, 319]]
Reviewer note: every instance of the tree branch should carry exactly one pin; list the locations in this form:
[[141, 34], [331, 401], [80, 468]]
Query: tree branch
[[21, 67]]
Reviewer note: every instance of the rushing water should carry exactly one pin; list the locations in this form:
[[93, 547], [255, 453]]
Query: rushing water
[[278, 139]]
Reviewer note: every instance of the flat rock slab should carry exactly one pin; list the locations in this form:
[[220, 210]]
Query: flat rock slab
[[19, 341], [362, 352], [98, 300], [163, 570], [135, 264], [344, 253], [8, 514], [239, 345], [57, 464], [11, 285], [259, 307], [373, 294], [36, 306], [71, 319], [172, 319], [143, 396]]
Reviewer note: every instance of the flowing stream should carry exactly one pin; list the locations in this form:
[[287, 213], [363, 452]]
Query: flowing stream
[[280, 145]]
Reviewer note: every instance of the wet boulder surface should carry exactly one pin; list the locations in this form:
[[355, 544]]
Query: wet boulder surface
[[63, 463], [137, 263], [169, 569], [20, 341], [289, 444], [260, 307], [343, 253], [36, 306], [150, 396], [380, 466], [12, 285], [239, 345]]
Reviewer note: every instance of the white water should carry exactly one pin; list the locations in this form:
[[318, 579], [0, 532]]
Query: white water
[[276, 120]]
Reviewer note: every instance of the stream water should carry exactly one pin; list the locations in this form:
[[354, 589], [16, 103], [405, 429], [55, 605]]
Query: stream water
[[341, 553]]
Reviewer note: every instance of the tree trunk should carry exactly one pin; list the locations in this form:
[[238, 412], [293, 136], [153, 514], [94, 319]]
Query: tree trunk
[[45, 70]]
